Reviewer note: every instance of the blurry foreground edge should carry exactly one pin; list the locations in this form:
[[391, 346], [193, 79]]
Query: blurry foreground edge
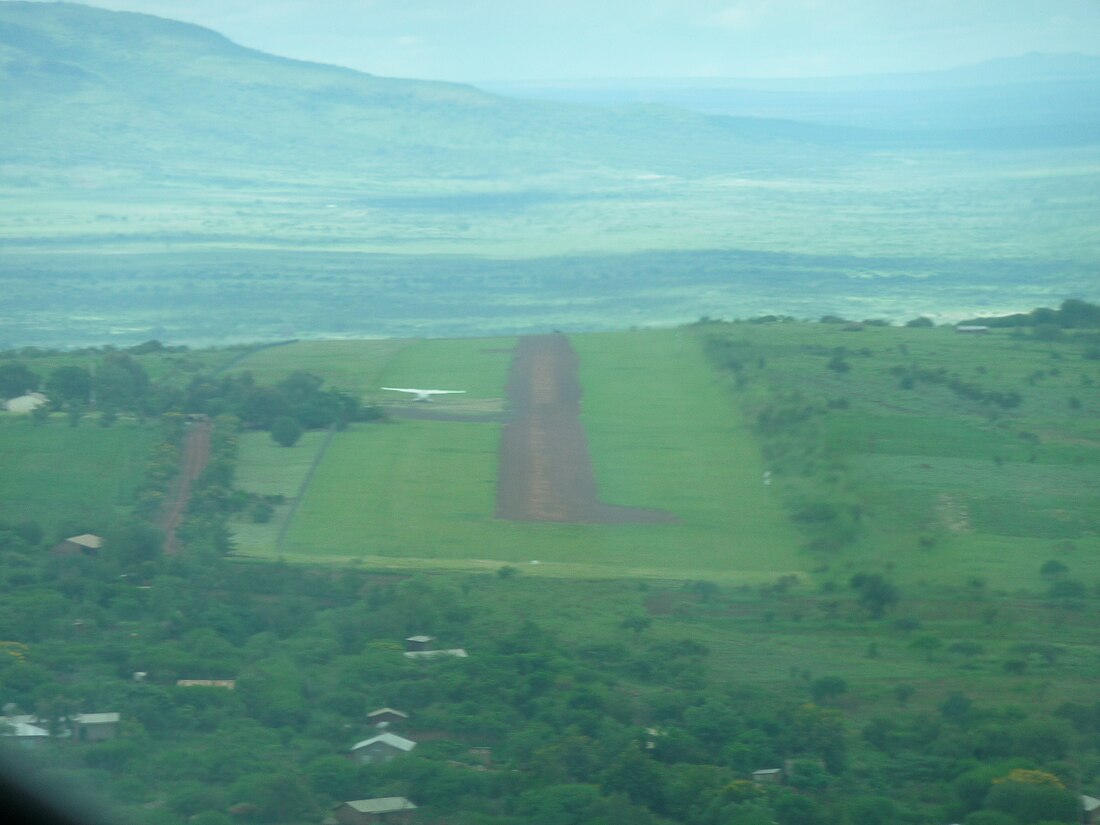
[[28, 797]]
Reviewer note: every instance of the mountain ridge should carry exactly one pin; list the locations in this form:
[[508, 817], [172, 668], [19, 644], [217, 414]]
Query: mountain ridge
[[133, 89]]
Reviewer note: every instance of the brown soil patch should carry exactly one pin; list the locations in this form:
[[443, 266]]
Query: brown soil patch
[[545, 471], [196, 453]]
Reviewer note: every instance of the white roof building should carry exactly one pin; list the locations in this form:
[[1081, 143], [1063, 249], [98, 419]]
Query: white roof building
[[28, 403], [391, 739]]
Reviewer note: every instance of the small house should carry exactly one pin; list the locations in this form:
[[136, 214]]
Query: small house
[[971, 329], [391, 810], [225, 684], [26, 404], [419, 642], [381, 748], [95, 727], [386, 717], [768, 776], [85, 544], [457, 652], [23, 729]]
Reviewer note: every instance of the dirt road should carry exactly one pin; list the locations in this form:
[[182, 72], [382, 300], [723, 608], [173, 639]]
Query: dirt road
[[196, 453], [545, 472]]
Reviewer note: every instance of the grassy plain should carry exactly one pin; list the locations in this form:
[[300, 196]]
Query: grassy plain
[[934, 232], [950, 488], [55, 473]]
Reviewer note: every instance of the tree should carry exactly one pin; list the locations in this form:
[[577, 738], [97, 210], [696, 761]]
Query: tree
[[16, 379], [875, 593], [286, 431], [120, 381], [636, 623], [70, 384], [1053, 569], [919, 322], [1032, 796], [636, 775], [903, 693], [827, 687]]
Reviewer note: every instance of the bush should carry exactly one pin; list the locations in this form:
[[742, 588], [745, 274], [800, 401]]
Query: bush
[[286, 431]]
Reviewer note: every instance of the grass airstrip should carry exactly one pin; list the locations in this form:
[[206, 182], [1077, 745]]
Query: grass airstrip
[[950, 489], [418, 493]]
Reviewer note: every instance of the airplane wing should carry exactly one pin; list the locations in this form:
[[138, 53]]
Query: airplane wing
[[422, 392]]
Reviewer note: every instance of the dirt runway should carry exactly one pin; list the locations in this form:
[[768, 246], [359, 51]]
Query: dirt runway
[[545, 472]]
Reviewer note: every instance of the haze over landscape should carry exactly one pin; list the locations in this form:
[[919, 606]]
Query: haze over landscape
[[525, 413]]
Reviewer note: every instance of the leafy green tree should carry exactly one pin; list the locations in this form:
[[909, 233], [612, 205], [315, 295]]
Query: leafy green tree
[[334, 778], [638, 777], [286, 431], [280, 797], [957, 707], [71, 385], [16, 379], [1032, 799], [827, 687], [121, 382], [797, 810], [875, 593]]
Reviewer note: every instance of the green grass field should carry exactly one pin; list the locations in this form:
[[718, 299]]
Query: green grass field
[[950, 488], [55, 473], [421, 494]]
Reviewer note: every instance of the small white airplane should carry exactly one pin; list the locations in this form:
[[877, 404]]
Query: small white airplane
[[422, 395]]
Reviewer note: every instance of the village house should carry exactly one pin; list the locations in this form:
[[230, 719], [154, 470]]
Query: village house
[[95, 727], [26, 404], [23, 730], [381, 748], [82, 727], [85, 544], [391, 810], [419, 642], [386, 717], [768, 776], [436, 654], [226, 684], [972, 329]]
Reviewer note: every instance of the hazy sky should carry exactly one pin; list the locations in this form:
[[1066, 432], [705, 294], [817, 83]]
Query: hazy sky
[[542, 39]]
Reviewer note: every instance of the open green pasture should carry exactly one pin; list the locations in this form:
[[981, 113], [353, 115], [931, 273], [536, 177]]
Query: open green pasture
[[55, 474], [950, 488], [662, 433], [782, 639]]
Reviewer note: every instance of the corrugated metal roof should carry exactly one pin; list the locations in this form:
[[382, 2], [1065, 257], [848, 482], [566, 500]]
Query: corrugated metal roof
[[97, 718], [21, 727], [382, 805], [87, 540], [380, 711], [391, 739]]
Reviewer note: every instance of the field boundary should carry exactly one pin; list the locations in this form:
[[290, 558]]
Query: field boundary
[[310, 473]]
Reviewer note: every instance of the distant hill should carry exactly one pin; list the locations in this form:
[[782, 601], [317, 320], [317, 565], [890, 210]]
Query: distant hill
[[155, 97], [1035, 98]]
